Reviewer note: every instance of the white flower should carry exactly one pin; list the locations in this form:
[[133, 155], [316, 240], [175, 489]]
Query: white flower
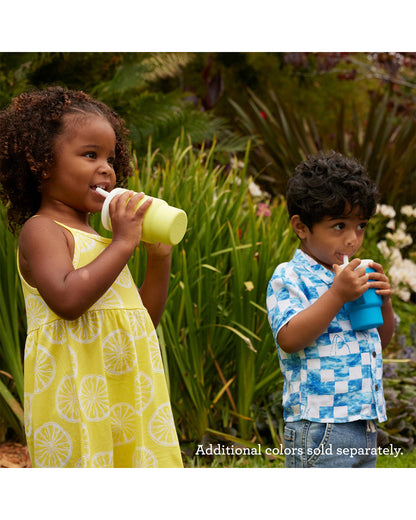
[[391, 224], [384, 248], [408, 210], [236, 164], [254, 190], [400, 238], [386, 211]]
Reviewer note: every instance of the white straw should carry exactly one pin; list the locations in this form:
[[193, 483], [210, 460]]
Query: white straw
[[345, 256], [102, 192]]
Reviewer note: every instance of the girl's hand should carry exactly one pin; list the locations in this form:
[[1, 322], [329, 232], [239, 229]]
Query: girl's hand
[[349, 282], [158, 250], [126, 221], [381, 282]]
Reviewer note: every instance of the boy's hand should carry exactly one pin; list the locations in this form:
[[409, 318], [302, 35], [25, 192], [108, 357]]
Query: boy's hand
[[381, 282], [349, 282]]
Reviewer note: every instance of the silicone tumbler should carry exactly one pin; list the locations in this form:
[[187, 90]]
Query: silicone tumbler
[[365, 311], [161, 223]]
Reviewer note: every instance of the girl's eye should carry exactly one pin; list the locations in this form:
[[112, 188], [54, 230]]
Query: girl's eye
[[111, 160], [91, 155]]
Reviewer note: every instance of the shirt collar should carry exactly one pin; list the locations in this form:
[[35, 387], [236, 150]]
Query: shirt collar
[[313, 266]]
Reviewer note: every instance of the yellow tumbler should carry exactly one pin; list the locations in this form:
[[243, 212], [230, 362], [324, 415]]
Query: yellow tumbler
[[161, 223]]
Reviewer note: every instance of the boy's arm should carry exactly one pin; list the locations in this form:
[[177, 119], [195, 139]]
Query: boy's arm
[[306, 326]]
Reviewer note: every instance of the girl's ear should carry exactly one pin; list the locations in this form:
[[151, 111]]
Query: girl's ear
[[298, 226]]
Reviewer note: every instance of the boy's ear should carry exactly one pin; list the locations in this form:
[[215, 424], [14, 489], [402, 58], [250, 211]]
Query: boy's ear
[[298, 226]]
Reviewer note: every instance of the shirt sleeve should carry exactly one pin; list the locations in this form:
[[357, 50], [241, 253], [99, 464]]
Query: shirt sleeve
[[285, 299]]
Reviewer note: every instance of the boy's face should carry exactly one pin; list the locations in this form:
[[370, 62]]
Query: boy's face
[[332, 237]]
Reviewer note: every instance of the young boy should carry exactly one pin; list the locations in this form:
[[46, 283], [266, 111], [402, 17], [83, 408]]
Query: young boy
[[332, 374]]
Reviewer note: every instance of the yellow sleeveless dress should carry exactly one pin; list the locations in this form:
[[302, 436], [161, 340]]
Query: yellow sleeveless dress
[[95, 388]]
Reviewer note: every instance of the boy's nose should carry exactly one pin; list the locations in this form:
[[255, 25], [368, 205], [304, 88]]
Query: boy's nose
[[351, 239]]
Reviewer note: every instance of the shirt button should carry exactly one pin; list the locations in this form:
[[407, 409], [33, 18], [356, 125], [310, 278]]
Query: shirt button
[[374, 353], [376, 387]]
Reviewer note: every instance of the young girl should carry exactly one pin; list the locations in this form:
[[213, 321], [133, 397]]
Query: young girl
[[95, 390]]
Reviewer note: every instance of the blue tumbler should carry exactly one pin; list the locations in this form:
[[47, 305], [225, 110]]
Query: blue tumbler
[[365, 311]]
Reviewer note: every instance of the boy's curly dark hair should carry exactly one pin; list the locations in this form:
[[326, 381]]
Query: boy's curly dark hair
[[330, 184], [28, 129]]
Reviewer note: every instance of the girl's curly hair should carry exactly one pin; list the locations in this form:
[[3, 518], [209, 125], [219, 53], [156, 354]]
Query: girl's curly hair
[[329, 184], [28, 129]]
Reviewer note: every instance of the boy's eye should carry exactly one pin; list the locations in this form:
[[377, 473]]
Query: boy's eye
[[339, 226], [363, 225]]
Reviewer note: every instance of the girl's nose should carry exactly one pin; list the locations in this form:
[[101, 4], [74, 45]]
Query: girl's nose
[[106, 168]]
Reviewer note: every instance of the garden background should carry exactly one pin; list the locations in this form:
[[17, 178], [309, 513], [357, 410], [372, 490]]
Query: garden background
[[219, 134]]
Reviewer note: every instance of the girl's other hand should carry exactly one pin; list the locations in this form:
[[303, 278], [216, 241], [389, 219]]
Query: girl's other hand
[[158, 250]]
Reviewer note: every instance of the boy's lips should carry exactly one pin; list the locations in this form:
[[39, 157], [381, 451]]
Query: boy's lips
[[340, 256]]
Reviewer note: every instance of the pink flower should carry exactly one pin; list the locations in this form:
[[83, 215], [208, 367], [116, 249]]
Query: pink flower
[[263, 210]]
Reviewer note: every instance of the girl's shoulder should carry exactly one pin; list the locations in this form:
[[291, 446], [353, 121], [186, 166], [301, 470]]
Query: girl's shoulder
[[41, 238], [39, 228]]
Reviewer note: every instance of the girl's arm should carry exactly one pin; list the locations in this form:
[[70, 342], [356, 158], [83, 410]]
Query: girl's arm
[[46, 254], [306, 326], [154, 289]]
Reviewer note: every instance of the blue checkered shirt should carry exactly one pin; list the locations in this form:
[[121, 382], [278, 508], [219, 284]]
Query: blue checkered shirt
[[338, 378]]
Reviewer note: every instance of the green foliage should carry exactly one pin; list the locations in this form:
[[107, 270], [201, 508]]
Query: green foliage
[[133, 85], [383, 141], [214, 331], [12, 333]]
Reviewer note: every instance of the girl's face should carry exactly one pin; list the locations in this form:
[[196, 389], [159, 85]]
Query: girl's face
[[84, 159], [332, 238]]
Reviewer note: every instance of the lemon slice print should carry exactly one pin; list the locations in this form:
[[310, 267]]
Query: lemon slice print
[[124, 279], [66, 400], [143, 392], [137, 321], [45, 368], [30, 341], [109, 300], [123, 423], [28, 414], [52, 446], [87, 327], [82, 462], [37, 312], [154, 350], [119, 354], [162, 427], [93, 397], [82, 244], [144, 458], [56, 332], [73, 360], [103, 459]]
